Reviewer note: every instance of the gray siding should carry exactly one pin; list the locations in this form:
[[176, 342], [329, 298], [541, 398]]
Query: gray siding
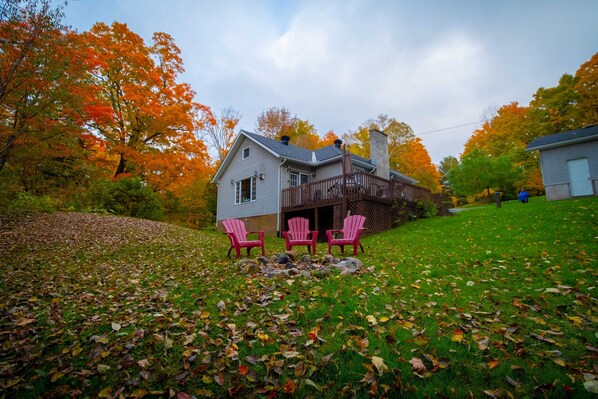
[[266, 201], [554, 161], [289, 167], [330, 170]]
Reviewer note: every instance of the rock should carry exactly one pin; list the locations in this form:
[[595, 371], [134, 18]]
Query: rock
[[306, 258], [348, 271], [248, 266], [282, 259], [252, 268], [292, 254], [321, 272], [327, 259], [277, 273], [263, 260], [289, 265], [293, 272], [352, 261]]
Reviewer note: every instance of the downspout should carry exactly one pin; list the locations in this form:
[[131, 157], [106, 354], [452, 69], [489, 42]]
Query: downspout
[[279, 191]]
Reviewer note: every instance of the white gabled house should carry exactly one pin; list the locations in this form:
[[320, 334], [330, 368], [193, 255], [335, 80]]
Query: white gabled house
[[264, 182]]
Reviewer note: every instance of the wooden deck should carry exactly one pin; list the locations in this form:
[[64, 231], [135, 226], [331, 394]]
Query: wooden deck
[[358, 186], [326, 202]]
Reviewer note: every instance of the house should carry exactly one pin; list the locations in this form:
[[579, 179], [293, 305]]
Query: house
[[569, 162], [265, 182]]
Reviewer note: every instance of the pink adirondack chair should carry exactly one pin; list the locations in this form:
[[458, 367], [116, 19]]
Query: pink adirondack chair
[[352, 229], [235, 230], [299, 234]]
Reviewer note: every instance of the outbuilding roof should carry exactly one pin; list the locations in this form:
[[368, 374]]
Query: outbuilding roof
[[587, 133]]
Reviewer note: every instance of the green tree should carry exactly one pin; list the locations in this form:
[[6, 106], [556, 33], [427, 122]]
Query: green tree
[[478, 171]]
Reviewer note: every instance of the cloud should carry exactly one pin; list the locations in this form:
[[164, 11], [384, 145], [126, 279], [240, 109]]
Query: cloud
[[432, 65]]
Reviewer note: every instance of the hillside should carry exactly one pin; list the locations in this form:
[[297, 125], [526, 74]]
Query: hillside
[[488, 303]]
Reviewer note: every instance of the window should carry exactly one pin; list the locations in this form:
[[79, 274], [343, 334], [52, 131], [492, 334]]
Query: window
[[298, 178], [245, 152], [245, 190]]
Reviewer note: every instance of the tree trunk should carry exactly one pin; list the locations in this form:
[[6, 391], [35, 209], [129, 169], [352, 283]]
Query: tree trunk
[[6, 151], [122, 166]]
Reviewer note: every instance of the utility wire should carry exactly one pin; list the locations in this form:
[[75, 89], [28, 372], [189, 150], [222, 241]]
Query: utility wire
[[448, 128]]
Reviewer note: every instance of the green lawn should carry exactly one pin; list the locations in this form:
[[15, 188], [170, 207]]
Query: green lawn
[[488, 303]]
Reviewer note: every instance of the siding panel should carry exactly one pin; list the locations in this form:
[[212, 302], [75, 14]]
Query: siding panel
[[554, 161], [266, 190]]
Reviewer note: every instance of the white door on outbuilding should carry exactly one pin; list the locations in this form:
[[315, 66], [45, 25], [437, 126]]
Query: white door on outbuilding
[[579, 177]]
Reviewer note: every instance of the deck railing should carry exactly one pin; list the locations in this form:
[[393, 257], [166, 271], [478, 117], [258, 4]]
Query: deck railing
[[355, 186]]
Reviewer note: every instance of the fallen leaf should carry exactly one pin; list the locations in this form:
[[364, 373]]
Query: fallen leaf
[[457, 336], [417, 364], [290, 354], [378, 362], [311, 384], [591, 386], [289, 387]]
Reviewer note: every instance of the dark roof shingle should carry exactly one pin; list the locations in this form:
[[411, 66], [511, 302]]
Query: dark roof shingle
[[565, 138]]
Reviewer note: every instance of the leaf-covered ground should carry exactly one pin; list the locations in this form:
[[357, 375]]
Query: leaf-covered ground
[[488, 303]]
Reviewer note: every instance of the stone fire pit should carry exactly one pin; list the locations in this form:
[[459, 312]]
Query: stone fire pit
[[292, 263]]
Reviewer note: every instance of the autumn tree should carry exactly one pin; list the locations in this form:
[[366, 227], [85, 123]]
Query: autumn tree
[[586, 86], [328, 139], [277, 122], [153, 117], [26, 33], [44, 93], [219, 136], [406, 152]]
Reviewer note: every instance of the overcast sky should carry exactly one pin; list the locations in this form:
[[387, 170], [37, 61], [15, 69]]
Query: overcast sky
[[431, 64]]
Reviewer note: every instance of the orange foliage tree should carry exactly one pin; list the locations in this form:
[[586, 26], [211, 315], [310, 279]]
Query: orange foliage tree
[[45, 99], [153, 117], [277, 122], [406, 153]]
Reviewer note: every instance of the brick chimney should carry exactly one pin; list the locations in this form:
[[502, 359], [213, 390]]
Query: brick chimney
[[379, 153]]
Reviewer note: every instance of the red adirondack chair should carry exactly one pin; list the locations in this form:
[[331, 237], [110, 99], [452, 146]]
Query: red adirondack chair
[[352, 229], [299, 234], [235, 230]]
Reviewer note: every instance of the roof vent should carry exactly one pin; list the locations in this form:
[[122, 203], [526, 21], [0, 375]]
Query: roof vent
[[590, 125], [337, 143], [285, 140]]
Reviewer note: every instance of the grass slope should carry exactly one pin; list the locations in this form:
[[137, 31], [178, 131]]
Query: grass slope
[[488, 303]]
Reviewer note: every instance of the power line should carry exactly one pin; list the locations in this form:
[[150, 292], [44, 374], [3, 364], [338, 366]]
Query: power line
[[448, 128]]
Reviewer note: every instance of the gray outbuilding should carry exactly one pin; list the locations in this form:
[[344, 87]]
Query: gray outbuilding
[[569, 162]]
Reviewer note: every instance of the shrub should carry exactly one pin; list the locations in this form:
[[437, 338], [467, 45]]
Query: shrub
[[128, 197], [26, 202], [427, 209]]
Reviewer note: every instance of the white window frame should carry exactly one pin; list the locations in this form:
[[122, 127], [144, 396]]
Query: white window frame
[[239, 199], [296, 177], [243, 156]]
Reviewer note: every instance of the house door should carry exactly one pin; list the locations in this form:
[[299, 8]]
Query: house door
[[579, 177], [297, 179]]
